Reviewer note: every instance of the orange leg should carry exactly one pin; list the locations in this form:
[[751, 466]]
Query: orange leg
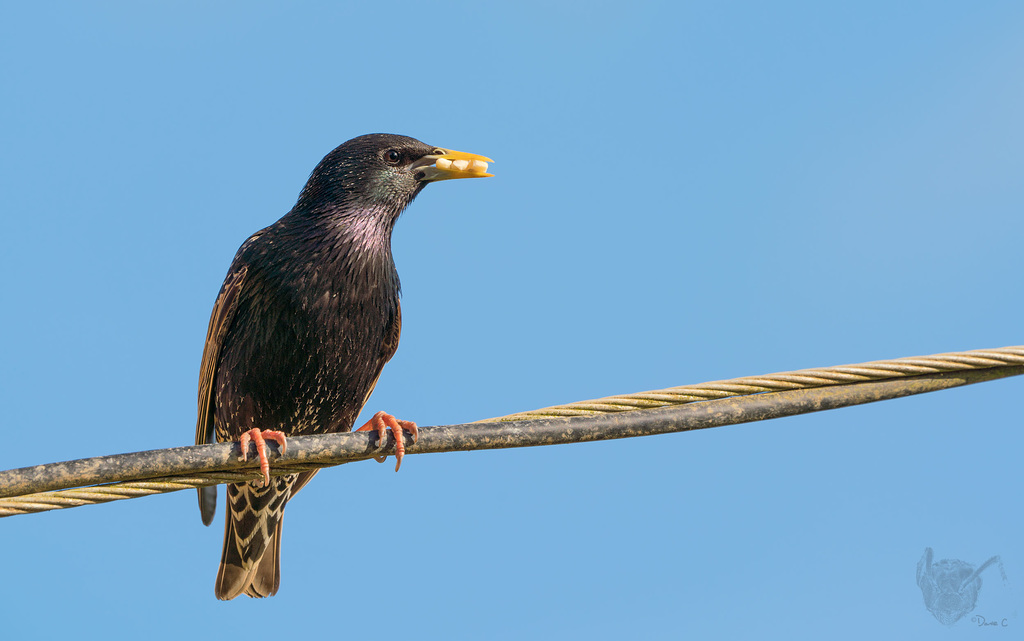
[[259, 438], [380, 423]]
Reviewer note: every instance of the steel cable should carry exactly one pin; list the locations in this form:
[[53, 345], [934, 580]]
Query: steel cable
[[110, 478]]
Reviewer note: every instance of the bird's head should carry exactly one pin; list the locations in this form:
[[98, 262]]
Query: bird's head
[[380, 174]]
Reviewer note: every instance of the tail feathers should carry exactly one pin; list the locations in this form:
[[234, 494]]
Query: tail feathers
[[259, 579], [251, 558], [265, 577]]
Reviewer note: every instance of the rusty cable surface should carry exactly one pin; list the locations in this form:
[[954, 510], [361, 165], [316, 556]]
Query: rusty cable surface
[[713, 404]]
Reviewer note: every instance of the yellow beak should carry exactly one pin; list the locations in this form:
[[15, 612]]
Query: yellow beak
[[449, 164]]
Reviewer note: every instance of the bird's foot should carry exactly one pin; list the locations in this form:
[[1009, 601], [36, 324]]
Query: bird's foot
[[380, 423], [259, 438]]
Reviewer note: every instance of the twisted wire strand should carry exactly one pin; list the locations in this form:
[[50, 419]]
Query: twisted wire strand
[[772, 395], [799, 379], [94, 494]]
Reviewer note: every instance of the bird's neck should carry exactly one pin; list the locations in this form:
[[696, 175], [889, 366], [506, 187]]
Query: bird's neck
[[349, 246]]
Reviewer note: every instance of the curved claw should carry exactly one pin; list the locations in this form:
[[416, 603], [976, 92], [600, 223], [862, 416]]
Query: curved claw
[[259, 438], [381, 423]]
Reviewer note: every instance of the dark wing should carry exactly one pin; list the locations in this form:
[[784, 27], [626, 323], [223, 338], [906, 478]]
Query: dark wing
[[388, 349], [220, 320]]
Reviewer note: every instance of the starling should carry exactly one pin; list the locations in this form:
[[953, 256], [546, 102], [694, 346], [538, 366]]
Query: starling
[[303, 324]]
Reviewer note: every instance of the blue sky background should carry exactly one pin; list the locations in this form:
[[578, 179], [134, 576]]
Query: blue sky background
[[684, 192]]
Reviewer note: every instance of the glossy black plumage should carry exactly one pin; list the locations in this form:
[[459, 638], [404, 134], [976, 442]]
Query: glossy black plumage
[[306, 319]]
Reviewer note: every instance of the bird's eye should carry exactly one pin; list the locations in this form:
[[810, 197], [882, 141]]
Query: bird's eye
[[392, 156]]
